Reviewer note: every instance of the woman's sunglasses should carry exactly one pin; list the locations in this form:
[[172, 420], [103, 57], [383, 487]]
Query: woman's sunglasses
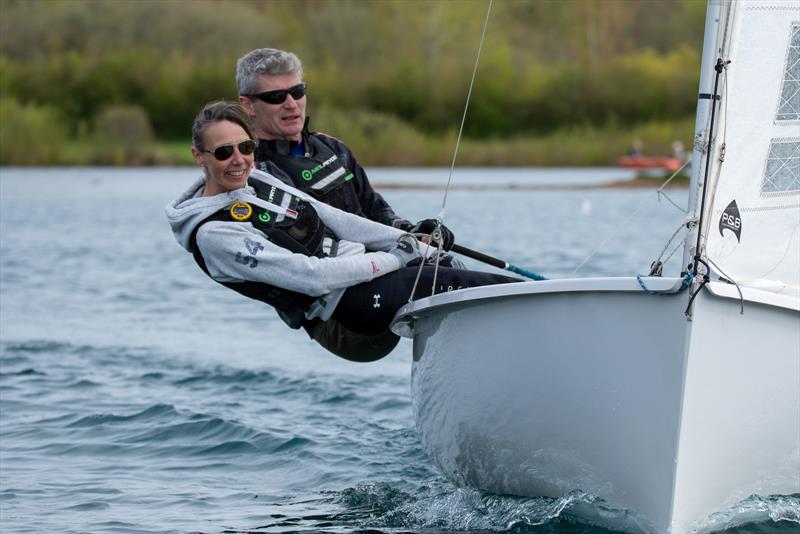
[[279, 96], [224, 152]]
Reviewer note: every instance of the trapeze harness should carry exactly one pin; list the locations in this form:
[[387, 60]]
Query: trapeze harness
[[302, 235], [317, 175], [323, 168]]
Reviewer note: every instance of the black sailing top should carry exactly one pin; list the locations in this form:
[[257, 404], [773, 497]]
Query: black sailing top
[[325, 168]]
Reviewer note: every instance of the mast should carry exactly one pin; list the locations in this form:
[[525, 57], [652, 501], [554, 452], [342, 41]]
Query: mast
[[718, 17]]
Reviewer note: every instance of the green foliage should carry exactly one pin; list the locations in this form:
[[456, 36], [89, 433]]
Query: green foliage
[[31, 29], [122, 135], [547, 66], [373, 137], [124, 125], [180, 90], [29, 135], [576, 146]]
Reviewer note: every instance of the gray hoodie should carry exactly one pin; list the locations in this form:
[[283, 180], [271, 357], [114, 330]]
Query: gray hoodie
[[237, 251]]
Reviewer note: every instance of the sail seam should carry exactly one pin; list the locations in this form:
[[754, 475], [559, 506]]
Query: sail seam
[[762, 208], [772, 8]]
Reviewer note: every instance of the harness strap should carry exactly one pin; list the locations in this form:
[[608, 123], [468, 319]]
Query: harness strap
[[242, 196]]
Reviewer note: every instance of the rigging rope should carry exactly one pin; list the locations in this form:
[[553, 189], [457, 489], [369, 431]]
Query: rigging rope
[[720, 67], [466, 107], [657, 264], [685, 283], [436, 235], [625, 222], [739, 289], [723, 148], [699, 251]]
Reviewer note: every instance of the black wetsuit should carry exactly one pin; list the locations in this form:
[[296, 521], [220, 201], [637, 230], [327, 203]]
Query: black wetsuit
[[369, 308]]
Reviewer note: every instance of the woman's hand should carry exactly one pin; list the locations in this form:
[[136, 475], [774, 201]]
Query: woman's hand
[[406, 250]]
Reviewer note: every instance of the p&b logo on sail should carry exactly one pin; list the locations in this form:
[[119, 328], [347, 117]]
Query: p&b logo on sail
[[732, 221]]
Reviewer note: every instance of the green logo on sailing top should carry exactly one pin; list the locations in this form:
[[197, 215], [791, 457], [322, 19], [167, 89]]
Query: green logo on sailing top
[[309, 174], [264, 216], [348, 177]]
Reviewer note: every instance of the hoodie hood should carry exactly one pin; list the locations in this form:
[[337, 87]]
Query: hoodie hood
[[191, 208]]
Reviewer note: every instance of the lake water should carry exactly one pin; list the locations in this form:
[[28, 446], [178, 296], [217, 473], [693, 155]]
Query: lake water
[[136, 395]]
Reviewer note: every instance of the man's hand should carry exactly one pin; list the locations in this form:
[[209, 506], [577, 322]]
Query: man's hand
[[427, 226]]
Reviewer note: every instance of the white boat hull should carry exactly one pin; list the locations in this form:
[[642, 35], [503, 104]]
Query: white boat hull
[[669, 419]]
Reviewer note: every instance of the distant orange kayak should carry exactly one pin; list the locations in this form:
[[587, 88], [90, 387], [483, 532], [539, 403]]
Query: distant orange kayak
[[646, 162]]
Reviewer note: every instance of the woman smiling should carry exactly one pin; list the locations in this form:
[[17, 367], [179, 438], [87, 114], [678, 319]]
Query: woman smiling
[[229, 158]]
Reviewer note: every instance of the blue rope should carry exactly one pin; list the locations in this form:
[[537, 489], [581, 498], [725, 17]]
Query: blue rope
[[687, 281], [524, 272]]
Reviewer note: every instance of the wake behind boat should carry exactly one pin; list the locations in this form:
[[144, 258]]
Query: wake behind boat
[[671, 398]]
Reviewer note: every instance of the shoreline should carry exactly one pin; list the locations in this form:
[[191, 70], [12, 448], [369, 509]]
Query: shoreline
[[392, 182], [636, 183]]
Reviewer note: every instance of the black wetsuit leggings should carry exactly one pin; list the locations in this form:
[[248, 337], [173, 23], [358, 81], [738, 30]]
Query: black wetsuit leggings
[[368, 308]]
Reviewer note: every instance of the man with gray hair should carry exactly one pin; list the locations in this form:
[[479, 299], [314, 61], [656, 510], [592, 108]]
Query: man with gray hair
[[271, 90]]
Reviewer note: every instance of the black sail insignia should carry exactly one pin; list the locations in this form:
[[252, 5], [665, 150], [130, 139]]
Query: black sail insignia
[[731, 220]]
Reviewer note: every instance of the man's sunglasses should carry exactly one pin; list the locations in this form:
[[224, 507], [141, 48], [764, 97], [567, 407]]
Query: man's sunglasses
[[279, 96], [224, 152]]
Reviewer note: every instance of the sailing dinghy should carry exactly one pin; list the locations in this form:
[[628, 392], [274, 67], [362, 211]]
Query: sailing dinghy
[[671, 398]]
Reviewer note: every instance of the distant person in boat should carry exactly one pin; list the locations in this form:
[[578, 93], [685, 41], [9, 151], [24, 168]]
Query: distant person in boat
[[635, 148], [272, 91], [678, 151], [316, 264]]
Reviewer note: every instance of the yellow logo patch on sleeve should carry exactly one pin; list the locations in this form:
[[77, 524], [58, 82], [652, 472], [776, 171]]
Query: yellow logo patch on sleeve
[[241, 211]]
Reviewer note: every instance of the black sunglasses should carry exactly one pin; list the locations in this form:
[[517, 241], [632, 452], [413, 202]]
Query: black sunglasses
[[279, 96], [224, 152]]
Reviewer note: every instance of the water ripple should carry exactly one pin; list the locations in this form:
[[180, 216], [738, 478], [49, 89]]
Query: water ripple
[[157, 411], [224, 376], [24, 372]]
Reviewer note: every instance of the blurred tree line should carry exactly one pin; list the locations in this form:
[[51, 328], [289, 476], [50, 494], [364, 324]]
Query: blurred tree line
[[134, 73]]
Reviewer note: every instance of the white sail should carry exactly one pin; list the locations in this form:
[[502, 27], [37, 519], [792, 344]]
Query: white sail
[[751, 225]]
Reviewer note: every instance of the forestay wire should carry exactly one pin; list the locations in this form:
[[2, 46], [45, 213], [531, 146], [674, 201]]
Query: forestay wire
[[464, 116], [658, 193], [437, 234]]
